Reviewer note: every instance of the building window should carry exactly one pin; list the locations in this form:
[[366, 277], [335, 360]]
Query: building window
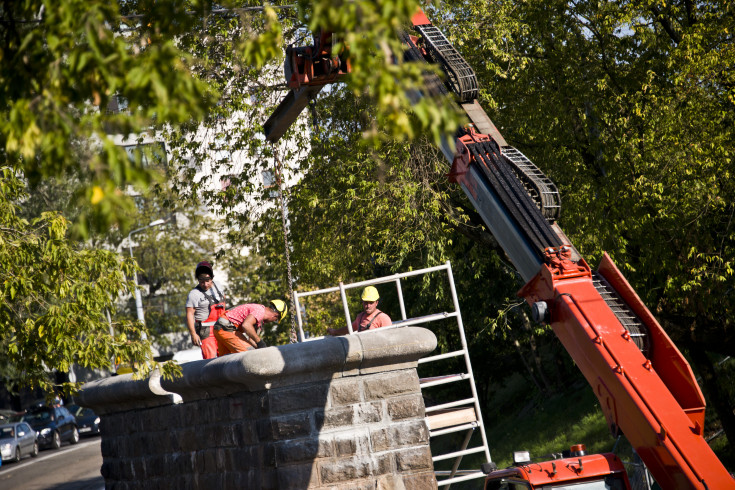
[[269, 178], [270, 182], [150, 155], [117, 104]]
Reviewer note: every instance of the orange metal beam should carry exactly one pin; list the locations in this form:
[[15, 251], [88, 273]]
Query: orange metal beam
[[635, 398]]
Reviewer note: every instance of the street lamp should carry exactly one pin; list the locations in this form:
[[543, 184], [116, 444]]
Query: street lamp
[[138, 300]]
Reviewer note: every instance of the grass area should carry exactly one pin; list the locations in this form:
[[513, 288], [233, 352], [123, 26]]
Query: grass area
[[541, 426], [547, 425]]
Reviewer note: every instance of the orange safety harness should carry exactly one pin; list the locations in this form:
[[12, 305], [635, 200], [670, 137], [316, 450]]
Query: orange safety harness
[[217, 309], [360, 328]]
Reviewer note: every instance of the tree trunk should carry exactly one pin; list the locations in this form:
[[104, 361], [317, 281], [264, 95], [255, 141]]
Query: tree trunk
[[528, 367], [535, 354], [716, 396]]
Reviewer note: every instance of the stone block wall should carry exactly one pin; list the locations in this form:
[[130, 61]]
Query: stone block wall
[[337, 413]]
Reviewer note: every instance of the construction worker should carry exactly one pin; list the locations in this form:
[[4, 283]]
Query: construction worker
[[240, 328], [202, 305], [369, 318]]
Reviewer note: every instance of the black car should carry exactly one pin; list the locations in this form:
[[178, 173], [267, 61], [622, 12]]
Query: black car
[[53, 425], [88, 422]]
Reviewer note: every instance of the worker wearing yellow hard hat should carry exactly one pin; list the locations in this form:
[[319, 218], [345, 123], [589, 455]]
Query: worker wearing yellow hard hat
[[280, 307], [370, 294], [369, 318], [240, 328]]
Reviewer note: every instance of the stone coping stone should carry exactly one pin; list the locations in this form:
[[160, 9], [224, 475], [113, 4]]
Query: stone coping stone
[[262, 369]]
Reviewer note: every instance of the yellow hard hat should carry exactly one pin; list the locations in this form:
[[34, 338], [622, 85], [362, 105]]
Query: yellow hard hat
[[370, 294], [280, 307]]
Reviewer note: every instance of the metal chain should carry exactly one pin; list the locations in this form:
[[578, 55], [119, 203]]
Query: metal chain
[[279, 178]]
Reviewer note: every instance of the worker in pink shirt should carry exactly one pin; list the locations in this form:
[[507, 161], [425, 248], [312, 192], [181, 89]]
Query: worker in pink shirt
[[369, 318], [240, 328]]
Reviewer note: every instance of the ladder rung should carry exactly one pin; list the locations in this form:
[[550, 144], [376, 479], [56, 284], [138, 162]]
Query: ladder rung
[[423, 319], [457, 454], [441, 380], [451, 417], [457, 479], [443, 406], [457, 428], [439, 357]]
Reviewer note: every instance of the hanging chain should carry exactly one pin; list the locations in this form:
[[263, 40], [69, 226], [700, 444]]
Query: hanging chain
[[279, 178]]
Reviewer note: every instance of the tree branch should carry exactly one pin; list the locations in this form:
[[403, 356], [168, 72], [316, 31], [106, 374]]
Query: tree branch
[[666, 24]]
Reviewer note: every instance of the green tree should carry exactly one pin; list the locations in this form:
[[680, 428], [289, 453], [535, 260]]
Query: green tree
[[55, 298], [61, 64]]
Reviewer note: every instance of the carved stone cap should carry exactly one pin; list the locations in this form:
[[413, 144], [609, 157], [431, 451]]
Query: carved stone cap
[[384, 349]]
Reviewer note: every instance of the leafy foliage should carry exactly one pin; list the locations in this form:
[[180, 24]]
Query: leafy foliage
[[62, 65], [55, 298]]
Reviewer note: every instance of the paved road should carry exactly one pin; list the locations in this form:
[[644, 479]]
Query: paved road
[[68, 468]]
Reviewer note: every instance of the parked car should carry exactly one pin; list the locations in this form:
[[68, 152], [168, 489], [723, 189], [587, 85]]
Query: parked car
[[6, 415], [188, 355], [88, 422], [17, 440], [52, 424]]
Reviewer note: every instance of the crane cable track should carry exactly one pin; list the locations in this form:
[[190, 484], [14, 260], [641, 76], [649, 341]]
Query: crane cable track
[[433, 84], [626, 316], [514, 196], [542, 189], [460, 74]]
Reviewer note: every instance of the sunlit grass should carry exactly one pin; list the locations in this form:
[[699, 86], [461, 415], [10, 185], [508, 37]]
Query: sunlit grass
[[547, 425], [541, 426]]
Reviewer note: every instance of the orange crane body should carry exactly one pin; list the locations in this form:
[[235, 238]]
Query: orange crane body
[[661, 414], [571, 470]]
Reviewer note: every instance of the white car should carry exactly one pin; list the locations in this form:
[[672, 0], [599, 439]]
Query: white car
[[16, 440], [188, 355]]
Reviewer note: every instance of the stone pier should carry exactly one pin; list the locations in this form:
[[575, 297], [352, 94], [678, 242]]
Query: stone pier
[[335, 413]]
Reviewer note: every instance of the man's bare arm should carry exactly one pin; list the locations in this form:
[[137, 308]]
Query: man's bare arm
[[248, 326], [190, 325]]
